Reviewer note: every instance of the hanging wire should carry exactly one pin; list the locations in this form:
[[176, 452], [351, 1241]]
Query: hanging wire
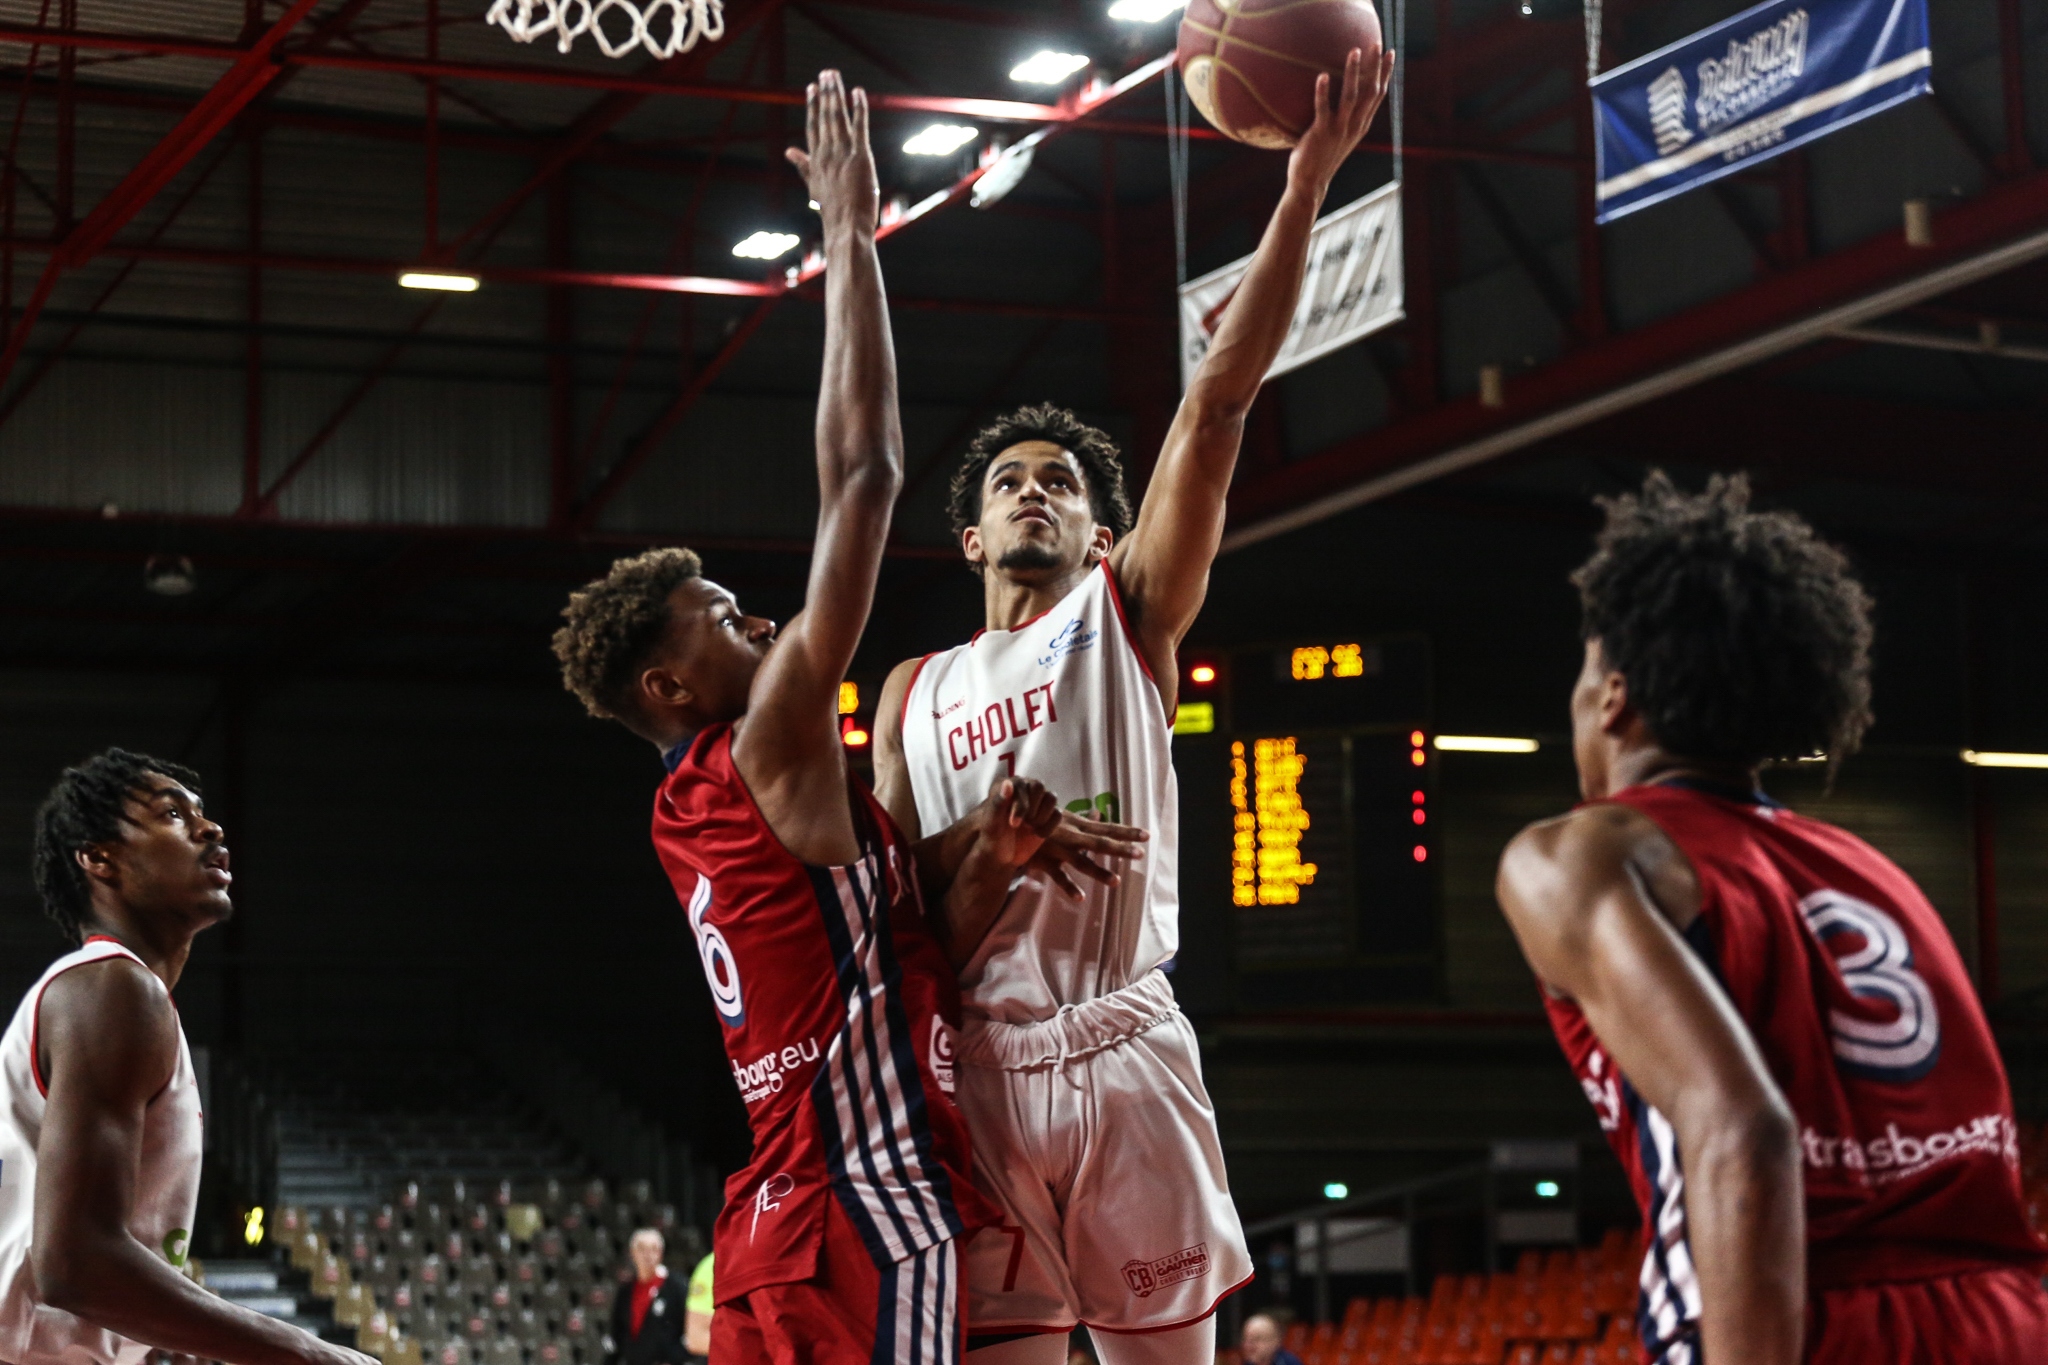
[[1177, 168], [1592, 40], [1397, 38]]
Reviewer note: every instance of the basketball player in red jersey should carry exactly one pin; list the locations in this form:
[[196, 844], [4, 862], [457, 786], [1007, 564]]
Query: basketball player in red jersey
[[836, 1245], [1776, 1031], [100, 1128], [1080, 1076]]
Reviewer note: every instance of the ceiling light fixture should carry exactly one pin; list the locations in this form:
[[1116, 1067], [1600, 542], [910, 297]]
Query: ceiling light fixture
[[434, 279], [941, 139], [765, 245], [2004, 760], [1046, 67], [1145, 11], [1484, 744]]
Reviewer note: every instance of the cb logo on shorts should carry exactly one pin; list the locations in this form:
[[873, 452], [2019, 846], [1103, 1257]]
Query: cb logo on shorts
[[1875, 958], [719, 967]]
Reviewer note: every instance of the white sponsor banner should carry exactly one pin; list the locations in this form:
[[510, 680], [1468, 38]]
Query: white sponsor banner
[[1352, 289]]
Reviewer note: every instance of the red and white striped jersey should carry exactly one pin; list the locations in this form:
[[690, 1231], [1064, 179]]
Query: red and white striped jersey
[[838, 1009], [1859, 1002], [1066, 699], [166, 1184]]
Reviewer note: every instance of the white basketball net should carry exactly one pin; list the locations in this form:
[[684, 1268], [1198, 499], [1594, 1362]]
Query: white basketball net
[[619, 26]]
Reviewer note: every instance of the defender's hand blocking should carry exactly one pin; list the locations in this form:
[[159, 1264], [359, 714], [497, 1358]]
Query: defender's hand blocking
[[1339, 127], [1024, 826], [839, 168]]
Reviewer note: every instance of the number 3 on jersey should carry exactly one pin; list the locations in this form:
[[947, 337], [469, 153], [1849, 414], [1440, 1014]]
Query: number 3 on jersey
[[1876, 961]]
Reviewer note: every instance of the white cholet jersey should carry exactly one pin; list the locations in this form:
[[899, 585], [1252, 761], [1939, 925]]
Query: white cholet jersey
[[1066, 699], [166, 1186]]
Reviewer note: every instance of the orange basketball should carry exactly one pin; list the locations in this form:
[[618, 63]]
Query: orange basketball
[[1251, 65]]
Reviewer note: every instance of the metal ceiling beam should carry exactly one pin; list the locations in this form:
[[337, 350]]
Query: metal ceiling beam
[[707, 285], [990, 110], [644, 445], [1977, 239], [537, 537], [643, 449], [241, 82], [608, 151]]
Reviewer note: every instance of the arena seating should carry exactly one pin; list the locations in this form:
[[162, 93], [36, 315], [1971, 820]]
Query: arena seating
[[456, 1272], [355, 1123], [1560, 1308], [1564, 1307]]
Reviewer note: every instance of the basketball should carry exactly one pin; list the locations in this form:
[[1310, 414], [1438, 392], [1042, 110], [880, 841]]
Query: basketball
[[1251, 65]]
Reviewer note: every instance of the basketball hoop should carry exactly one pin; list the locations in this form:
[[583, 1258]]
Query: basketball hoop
[[636, 25]]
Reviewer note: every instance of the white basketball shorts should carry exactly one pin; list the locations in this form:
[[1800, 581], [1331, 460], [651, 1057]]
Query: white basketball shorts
[[1094, 1133]]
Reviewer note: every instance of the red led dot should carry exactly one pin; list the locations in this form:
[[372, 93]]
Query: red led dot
[[1420, 817], [1417, 798], [1421, 854]]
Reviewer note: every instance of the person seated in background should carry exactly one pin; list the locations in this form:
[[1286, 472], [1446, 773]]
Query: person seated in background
[[648, 1319], [1260, 1342]]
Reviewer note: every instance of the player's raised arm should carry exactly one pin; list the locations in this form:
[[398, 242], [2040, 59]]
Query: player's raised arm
[[792, 720], [1576, 894], [1163, 565]]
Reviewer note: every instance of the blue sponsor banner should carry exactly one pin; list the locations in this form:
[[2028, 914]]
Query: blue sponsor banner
[[1766, 81]]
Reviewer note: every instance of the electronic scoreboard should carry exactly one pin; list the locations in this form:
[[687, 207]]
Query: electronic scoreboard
[[1307, 784]]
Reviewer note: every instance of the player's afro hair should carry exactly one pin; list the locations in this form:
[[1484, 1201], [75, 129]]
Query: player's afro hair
[[1742, 634], [613, 623], [1090, 446], [88, 806]]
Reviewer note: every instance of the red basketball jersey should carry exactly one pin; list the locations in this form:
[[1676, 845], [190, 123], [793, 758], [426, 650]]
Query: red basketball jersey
[[838, 1010], [1862, 1009]]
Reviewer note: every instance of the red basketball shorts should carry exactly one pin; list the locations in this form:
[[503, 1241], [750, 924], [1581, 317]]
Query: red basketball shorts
[[852, 1312], [1987, 1317]]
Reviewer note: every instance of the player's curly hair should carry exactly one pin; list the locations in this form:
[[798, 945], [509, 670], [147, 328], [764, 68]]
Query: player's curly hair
[[88, 806], [1742, 634], [1091, 448], [612, 623]]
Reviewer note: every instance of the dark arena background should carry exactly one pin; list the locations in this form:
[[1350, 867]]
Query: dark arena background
[[267, 512]]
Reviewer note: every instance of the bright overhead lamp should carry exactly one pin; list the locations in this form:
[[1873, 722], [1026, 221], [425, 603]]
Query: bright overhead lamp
[[434, 279], [766, 246], [1145, 11], [1997, 760], [1484, 744], [1046, 67], [941, 139]]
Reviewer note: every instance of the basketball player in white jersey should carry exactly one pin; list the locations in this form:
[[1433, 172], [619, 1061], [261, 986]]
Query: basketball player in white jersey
[[100, 1139], [1082, 1085]]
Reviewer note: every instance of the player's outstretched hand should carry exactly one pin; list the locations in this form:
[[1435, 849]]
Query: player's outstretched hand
[[839, 165], [1340, 124], [1077, 844], [1023, 825], [1015, 818]]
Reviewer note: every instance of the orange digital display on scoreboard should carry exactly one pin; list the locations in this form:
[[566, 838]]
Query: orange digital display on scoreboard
[[1265, 792], [1312, 663]]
